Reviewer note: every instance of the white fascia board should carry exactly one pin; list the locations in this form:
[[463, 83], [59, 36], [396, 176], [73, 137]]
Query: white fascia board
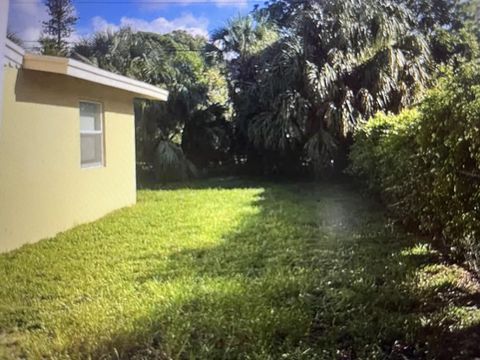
[[13, 55], [93, 74]]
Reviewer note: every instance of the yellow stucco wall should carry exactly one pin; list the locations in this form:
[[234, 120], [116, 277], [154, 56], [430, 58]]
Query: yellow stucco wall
[[43, 189]]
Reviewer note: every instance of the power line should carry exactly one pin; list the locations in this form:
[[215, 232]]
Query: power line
[[147, 2], [171, 50], [150, 2], [75, 43]]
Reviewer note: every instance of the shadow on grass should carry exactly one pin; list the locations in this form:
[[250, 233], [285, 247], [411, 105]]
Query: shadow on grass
[[316, 273], [228, 182]]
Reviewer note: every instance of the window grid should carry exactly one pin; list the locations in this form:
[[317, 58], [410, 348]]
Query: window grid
[[92, 141]]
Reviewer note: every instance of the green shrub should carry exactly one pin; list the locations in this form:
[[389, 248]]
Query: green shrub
[[425, 163]]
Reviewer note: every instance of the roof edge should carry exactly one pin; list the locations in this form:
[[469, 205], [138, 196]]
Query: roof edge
[[13, 54], [77, 69], [88, 72]]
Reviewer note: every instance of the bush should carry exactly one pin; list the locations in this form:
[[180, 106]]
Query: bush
[[425, 163]]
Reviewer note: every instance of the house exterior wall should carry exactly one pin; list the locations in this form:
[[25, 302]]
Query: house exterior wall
[[4, 5], [43, 188]]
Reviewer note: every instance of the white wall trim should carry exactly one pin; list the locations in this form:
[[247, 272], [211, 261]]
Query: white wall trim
[[87, 72], [13, 54]]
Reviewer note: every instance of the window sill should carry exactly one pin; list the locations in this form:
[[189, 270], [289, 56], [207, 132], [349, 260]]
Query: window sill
[[92, 166]]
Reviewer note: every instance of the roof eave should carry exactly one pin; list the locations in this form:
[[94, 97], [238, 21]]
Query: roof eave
[[93, 74], [13, 54]]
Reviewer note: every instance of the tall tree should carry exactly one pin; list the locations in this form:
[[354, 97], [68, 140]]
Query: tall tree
[[59, 27], [334, 64], [450, 27], [241, 43], [175, 61]]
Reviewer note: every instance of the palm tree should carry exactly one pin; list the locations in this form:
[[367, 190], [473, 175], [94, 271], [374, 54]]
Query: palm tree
[[207, 137], [335, 64], [174, 61]]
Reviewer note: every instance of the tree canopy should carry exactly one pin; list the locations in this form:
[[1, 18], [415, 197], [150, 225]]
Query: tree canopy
[[283, 89], [175, 61], [334, 64]]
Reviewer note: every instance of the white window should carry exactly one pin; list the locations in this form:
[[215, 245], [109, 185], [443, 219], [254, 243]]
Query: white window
[[91, 134]]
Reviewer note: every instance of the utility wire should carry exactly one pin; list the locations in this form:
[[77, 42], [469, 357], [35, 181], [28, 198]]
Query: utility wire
[[173, 50], [146, 2], [152, 2], [170, 50]]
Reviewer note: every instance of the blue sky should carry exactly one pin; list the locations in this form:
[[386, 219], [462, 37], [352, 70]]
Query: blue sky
[[26, 16]]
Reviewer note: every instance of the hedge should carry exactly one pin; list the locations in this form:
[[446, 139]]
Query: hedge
[[425, 162]]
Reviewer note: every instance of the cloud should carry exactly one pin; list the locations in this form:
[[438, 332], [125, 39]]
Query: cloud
[[100, 24], [187, 22], [25, 19], [235, 3]]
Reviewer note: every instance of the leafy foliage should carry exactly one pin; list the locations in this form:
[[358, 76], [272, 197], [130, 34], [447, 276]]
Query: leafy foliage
[[170, 163], [299, 75], [302, 74], [174, 61], [334, 64], [455, 47], [427, 163], [450, 27], [431, 14], [207, 137]]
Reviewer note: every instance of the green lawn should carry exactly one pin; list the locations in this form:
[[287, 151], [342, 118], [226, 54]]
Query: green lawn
[[237, 270]]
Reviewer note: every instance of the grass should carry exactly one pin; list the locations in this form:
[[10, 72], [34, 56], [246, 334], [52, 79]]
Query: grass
[[237, 270]]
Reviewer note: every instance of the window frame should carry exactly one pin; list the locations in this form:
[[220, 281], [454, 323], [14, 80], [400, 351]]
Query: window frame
[[101, 132]]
